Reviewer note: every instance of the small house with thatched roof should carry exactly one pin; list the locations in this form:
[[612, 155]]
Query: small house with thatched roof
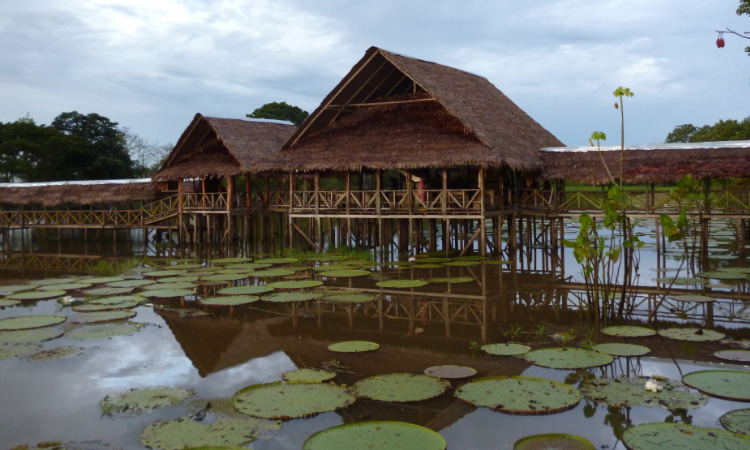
[[423, 140]]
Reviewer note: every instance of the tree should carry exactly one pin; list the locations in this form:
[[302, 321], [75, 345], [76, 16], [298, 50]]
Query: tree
[[147, 157], [280, 111], [723, 130], [743, 9]]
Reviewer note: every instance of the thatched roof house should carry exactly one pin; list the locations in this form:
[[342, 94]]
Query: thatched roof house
[[648, 164], [214, 147], [94, 192], [396, 112]]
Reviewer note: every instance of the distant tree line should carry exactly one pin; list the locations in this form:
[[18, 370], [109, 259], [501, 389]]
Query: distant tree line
[[74, 147], [723, 130]]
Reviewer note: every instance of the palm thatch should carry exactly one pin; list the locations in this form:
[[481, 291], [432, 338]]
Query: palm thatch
[[104, 192], [395, 112], [649, 164], [214, 147]]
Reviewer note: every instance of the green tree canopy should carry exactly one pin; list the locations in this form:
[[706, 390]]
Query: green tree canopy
[[280, 111], [723, 130]]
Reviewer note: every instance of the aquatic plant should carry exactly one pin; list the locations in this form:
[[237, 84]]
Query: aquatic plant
[[400, 387], [728, 384], [567, 358], [553, 441], [450, 372], [376, 435], [669, 436], [289, 401], [519, 395]]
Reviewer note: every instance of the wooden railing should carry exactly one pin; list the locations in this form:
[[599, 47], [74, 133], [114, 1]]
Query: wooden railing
[[113, 218]]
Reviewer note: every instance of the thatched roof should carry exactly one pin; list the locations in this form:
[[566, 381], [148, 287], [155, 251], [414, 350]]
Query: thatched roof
[[213, 147], [395, 112], [95, 192], [649, 164]]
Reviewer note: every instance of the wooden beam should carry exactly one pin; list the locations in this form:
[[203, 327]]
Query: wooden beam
[[393, 102]]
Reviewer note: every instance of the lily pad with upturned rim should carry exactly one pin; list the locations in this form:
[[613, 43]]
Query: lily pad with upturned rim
[[277, 260], [29, 336], [92, 307], [451, 280], [290, 401], [4, 302], [117, 300], [450, 372], [163, 286], [673, 436], [628, 331], [245, 290], [353, 346], [168, 293], [693, 298], [344, 273], [164, 273], [506, 349], [9, 289], [103, 316], [401, 284], [568, 358], [106, 291], [29, 322], [520, 395], [225, 277], [106, 331], [722, 275], [55, 353], [270, 273], [736, 355], [36, 295], [618, 349], [728, 384], [295, 284], [462, 263], [692, 334], [400, 387], [64, 287], [737, 421], [376, 435], [308, 375], [138, 401], [285, 297], [552, 441], [13, 350], [185, 433], [625, 392], [229, 300], [131, 283], [349, 298]]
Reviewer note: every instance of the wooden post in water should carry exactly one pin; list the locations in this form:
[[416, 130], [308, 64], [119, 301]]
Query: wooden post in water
[[316, 187], [348, 208], [482, 227], [291, 206]]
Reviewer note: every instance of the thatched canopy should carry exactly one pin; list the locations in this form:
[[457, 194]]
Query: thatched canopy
[[96, 192], [213, 147], [395, 112], [649, 164]]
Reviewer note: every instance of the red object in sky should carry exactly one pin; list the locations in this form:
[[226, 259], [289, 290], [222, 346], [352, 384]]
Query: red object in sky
[[720, 43], [616, 105]]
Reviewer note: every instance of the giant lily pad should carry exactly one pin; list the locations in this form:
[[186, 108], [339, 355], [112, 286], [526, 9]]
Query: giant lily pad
[[225, 277], [4, 302], [163, 273], [552, 441], [91, 307], [734, 355], [64, 287], [229, 300], [451, 280], [55, 353], [344, 273], [104, 291], [450, 372], [308, 375], [298, 284], [103, 316], [285, 297], [693, 298], [401, 284], [47, 281], [722, 275], [270, 273], [617, 349], [276, 260], [106, 331], [737, 421], [9, 289], [400, 387], [628, 331], [289, 401], [173, 285], [349, 298], [624, 392], [245, 290], [13, 350], [137, 401], [130, 283], [168, 293], [520, 395], [231, 260], [353, 346], [117, 300], [376, 436], [567, 358], [186, 433], [30, 336], [729, 384], [673, 436], [28, 322], [36, 295], [691, 334], [506, 349], [462, 263]]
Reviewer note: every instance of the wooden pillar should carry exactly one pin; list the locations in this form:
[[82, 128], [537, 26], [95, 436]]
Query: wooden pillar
[[291, 206], [482, 206], [248, 200], [180, 191], [348, 207], [444, 202], [316, 187], [203, 191]]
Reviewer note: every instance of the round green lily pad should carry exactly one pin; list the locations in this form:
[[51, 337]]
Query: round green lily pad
[[30, 336], [673, 436], [91, 307], [231, 260], [28, 322], [174, 285], [692, 334], [284, 297], [334, 267], [103, 316], [245, 290], [551, 441], [344, 273], [189, 277], [168, 293], [462, 263], [737, 421], [55, 353], [36, 295], [693, 298], [401, 284], [567, 358], [350, 298], [163, 273], [308, 375], [229, 300], [289, 401], [400, 387], [105, 291], [729, 384], [107, 331], [131, 283], [625, 392], [353, 346], [248, 266], [628, 331], [4, 302], [431, 259], [9, 289], [46, 281], [506, 349], [137, 401], [299, 284], [722, 275], [276, 260], [729, 355], [451, 280], [100, 280], [270, 273], [427, 266], [13, 350], [117, 300], [616, 349], [225, 277], [450, 372], [64, 287], [376, 435], [185, 433], [520, 395]]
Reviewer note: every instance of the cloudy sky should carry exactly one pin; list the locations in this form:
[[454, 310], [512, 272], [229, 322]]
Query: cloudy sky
[[150, 65]]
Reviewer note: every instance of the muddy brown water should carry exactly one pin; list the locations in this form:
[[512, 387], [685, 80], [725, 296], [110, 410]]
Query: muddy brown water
[[217, 354]]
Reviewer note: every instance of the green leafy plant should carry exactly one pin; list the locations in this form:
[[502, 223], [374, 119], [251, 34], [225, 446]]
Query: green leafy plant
[[513, 332]]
